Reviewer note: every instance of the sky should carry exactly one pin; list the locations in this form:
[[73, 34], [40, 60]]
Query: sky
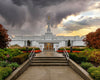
[[67, 17]]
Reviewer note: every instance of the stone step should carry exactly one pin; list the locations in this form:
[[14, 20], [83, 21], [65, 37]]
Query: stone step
[[53, 61], [49, 64], [49, 61], [49, 58]]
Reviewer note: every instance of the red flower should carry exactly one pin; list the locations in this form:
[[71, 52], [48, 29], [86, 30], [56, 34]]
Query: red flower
[[8, 56]]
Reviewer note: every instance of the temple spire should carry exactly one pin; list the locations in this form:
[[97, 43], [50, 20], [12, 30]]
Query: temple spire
[[48, 29]]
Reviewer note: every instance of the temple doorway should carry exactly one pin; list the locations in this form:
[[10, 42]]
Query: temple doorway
[[48, 46]]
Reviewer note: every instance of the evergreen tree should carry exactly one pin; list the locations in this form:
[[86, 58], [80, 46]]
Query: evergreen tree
[[69, 44]]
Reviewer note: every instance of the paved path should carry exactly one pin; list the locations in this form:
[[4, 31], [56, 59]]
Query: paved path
[[49, 72], [49, 54]]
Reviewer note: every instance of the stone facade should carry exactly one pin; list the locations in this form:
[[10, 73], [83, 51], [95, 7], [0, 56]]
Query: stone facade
[[45, 41]]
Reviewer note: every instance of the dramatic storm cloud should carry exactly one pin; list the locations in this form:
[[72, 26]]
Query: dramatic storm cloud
[[13, 14], [29, 17]]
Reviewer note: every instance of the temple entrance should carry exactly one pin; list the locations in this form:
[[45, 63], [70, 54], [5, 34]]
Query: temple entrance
[[48, 46]]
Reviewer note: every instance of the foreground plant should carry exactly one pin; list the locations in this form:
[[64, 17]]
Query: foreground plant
[[94, 72], [86, 65]]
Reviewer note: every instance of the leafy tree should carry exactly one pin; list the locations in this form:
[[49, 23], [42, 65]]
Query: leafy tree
[[93, 39], [4, 39]]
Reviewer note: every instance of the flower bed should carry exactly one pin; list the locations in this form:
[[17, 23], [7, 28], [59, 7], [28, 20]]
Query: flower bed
[[86, 59], [75, 49], [93, 55], [37, 50], [61, 51], [6, 61]]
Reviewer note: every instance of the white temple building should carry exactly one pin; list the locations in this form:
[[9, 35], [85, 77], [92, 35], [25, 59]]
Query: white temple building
[[48, 41]]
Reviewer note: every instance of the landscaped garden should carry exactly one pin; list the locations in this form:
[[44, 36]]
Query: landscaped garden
[[10, 59], [75, 49], [87, 57], [13, 56]]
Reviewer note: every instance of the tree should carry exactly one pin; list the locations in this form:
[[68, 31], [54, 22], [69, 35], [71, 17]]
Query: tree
[[28, 43], [93, 39], [69, 44], [4, 37]]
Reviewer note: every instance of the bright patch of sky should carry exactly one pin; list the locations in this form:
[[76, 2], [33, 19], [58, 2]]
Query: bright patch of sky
[[84, 22]]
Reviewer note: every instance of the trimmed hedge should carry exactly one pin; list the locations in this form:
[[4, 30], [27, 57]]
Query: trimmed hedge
[[78, 58], [5, 72], [29, 49], [86, 65], [20, 58], [74, 49]]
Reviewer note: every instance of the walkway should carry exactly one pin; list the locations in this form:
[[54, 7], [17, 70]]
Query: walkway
[[49, 72], [49, 54]]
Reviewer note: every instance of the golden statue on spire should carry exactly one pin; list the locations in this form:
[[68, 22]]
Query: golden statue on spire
[[48, 17]]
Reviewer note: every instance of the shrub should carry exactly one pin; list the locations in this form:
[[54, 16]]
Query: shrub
[[0, 77], [25, 49], [29, 48], [8, 54], [4, 72], [14, 46], [92, 55], [3, 63], [86, 65], [13, 65], [20, 58], [94, 72], [74, 49], [37, 48], [78, 57], [96, 75]]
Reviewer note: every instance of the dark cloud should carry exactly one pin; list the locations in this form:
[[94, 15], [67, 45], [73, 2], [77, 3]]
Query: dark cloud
[[31, 15], [13, 14], [40, 3]]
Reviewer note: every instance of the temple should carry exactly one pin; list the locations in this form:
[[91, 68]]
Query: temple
[[48, 41]]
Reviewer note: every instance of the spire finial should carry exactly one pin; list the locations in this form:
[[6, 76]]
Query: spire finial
[[48, 29], [48, 17]]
